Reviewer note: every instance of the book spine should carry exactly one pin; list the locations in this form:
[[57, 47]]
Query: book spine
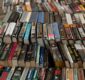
[[8, 34], [39, 34], [56, 33], [40, 17], [69, 19], [27, 33], [22, 32], [38, 56], [11, 54], [21, 58], [10, 73], [24, 74], [16, 55], [75, 74], [33, 33]]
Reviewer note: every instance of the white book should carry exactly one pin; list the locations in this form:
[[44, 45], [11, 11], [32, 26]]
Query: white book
[[68, 18], [10, 28], [24, 74], [68, 53], [81, 16], [77, 17], [81, 31]]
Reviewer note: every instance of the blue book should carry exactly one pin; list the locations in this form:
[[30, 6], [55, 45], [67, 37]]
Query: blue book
[[27, 33], [41, 61], [34, 17], [31, 74], [40, 17], [56, 31]]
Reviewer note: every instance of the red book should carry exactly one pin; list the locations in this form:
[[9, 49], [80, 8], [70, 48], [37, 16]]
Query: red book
[[54, 9], [12, 52]]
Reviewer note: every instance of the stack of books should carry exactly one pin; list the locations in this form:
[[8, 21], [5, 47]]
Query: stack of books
[[42, 40]]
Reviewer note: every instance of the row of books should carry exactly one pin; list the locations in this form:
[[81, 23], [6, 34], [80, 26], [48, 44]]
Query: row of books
[[46, 6], [20, 73], [37, 32], [61, 54]]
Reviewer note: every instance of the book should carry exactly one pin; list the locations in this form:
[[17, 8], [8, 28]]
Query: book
[[9, 32], [21, 58], [27, 33]]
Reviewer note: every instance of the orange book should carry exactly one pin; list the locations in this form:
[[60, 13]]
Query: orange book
[[28, 7]]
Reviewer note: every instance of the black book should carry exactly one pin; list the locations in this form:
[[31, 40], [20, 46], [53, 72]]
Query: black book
[[21, 58], [14, 17]]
